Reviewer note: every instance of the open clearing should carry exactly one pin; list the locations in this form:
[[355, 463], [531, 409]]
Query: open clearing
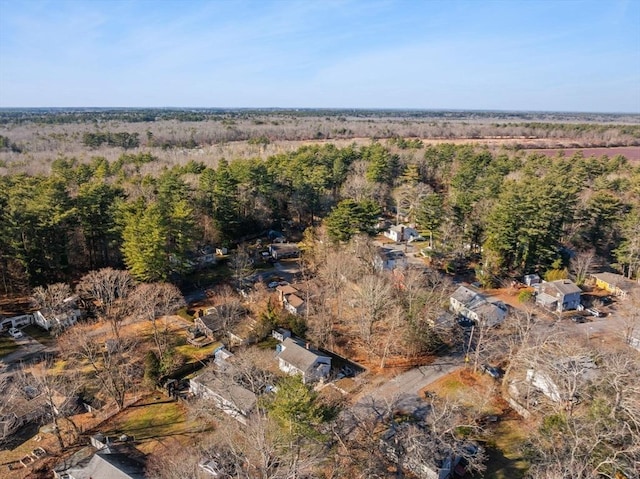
[[632, 153]]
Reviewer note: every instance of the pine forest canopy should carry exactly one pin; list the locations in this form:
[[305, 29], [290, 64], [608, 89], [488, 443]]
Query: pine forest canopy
[[113, 194]]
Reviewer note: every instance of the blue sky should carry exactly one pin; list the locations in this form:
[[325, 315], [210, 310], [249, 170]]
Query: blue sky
[[562, 55]]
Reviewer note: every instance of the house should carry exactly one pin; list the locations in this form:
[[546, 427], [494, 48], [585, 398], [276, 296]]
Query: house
[[570, 369], [281, 334], [430, 458], [104, 464], [400, 233], [389, 259], [560, 295], [531, 279], [297, 357], [243, 333], [475, 306], [16, 322], [634, 339], [209, 324], [290, 298], [232, 399], [616, 284], [28, 404], [58, 321], [283, 251]]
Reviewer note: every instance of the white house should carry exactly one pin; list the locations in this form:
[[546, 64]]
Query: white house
[[296, 357], [59, 321], [290, 298], [477, 307], [558, 381], [232, 399], [400, 233], [388, 260], [560, 295]]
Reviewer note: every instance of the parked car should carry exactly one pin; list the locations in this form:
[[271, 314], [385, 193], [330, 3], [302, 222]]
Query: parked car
[[494, 372], [578, 319], [606, 300], [465, 323], [16, 333]]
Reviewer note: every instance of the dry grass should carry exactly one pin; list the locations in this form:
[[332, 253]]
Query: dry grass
[[153, 420]]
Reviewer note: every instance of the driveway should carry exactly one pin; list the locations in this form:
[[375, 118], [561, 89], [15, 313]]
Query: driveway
[[28, 350], [411, 382]]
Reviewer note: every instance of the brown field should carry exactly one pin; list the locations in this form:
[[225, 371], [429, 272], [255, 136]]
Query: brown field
[[632, 153]]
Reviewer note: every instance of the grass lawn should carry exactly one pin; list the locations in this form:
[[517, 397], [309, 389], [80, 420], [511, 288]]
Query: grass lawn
[[152, 420], [194, 353], [505, 459], [7, 345]]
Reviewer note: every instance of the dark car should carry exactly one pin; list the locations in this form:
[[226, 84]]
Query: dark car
[[494, 372], [465, 323], [606, 300], [578, 319]]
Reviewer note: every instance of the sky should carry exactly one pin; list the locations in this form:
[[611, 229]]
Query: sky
[[534, 55]]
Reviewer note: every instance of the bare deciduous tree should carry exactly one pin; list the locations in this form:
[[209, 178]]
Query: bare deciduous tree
[[580, 265], [58, 392], [153, 301], [52, 297], [109, 289], [113, 360], [374, 296], [241, 265]]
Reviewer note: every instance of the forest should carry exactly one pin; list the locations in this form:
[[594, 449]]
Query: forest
[[108, 198]]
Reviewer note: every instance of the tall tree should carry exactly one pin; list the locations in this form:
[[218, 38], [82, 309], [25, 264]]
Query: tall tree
[[144, 243], [349, 218]]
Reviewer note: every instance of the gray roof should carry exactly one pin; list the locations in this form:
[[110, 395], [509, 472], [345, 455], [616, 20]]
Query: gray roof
[[242, 398], [211, 321], [297, 354], [564, 286], [469, 297], [109, 466]]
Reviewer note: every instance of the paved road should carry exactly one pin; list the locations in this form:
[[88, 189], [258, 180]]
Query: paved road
[[409, 384]]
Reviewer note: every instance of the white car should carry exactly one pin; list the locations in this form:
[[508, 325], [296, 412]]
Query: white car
[[16, 333]]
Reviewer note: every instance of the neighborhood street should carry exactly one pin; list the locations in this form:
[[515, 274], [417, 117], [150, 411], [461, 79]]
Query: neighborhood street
[[408, 384]]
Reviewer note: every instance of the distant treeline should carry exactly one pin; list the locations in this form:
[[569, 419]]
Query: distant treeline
[[135, 115], [122, 139]]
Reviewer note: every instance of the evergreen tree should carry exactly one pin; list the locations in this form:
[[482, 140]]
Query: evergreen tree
[[350, 217], [144, 241]]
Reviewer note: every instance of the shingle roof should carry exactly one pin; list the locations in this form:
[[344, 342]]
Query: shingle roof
[[468, 297], [616, 280], [211, 321], [109, 466], [286, 289], [241, 397], [296, 354], [564, 286], [295, 301]]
